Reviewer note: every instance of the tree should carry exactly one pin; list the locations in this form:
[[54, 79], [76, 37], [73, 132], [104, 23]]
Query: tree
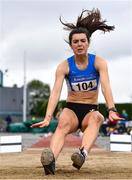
[[39, 93]]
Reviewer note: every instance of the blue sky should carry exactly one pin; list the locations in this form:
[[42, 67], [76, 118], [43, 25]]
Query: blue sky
[[33, 26]]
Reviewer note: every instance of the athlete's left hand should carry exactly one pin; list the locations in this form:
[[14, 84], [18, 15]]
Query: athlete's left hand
[[114, 116]]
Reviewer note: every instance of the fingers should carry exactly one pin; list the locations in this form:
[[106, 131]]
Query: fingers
[[40, 124], [35, 125], [43, 125], [111, 119], [114, 116], [117, 117]]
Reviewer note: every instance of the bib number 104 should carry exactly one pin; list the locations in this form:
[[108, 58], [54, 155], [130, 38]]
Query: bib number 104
[[84, 86]]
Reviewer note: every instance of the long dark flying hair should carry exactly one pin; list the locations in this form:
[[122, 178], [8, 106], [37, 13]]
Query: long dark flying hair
[[88, 22]]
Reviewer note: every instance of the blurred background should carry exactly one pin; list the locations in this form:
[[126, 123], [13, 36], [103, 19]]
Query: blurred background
[[32, 44]]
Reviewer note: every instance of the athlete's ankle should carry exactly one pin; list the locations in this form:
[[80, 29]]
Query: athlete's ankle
[[84, 152]]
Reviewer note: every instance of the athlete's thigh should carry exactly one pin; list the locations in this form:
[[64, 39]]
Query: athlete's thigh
[[68, 117], [92, 117]]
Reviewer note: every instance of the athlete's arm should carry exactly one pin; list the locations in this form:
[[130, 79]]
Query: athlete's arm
[[102, 68], [55, 95]]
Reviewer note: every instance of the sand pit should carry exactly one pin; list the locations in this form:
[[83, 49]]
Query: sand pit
[[101, 164]]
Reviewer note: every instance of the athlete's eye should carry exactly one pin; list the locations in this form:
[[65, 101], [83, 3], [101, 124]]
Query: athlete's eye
[[75, 41], [83, 40]]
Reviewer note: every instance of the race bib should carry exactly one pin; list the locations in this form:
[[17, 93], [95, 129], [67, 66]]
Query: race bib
[[84, 86]]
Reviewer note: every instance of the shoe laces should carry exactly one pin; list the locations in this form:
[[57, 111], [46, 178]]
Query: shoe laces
[[82, 152]]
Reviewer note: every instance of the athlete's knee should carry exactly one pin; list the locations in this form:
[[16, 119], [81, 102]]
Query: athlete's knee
[[64, 124], [97, 117]]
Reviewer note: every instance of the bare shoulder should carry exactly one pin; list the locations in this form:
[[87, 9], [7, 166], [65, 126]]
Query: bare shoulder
[[62, 68], [100, 63]]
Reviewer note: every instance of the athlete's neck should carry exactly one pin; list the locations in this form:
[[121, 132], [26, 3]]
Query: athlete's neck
[[82, 59]]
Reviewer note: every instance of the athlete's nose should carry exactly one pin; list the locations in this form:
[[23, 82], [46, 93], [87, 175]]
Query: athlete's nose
[[79, 43]]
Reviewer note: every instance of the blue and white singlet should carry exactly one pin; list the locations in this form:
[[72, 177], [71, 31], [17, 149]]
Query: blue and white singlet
[[82, 80]]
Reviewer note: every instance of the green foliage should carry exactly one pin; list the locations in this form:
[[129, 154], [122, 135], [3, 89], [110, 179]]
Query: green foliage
[[39, 109], [17, 127], [103, 108], [127, 107], [38, 89], [26, 126], [120, 107], [39, 93]]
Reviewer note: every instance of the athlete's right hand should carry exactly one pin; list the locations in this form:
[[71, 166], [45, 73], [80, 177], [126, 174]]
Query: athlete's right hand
[[41, 124]]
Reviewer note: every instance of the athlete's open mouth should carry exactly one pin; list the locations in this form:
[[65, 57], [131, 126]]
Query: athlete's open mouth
[[79, 50]]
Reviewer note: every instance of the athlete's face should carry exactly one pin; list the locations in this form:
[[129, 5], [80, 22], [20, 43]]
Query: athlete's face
[[79, 44]]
